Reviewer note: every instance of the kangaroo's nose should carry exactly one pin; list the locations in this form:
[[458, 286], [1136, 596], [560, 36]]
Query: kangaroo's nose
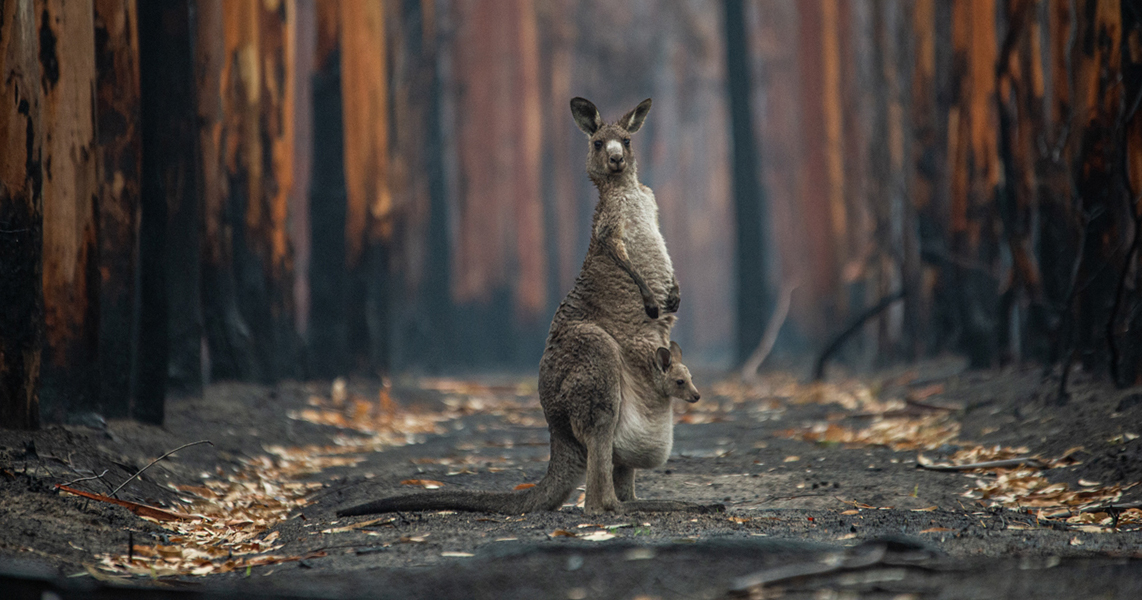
[[617, 159]]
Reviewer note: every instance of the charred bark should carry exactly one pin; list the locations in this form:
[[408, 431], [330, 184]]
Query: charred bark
[[120, 155], [21, 218], [170, 322], [328, 335]]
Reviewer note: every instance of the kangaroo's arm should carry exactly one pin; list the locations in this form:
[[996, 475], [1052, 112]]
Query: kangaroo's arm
[[610, 235]]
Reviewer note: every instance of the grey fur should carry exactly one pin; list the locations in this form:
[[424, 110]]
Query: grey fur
[[604, 381]]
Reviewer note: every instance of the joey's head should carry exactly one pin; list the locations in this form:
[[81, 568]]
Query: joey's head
[[609, 155], [675, 380]]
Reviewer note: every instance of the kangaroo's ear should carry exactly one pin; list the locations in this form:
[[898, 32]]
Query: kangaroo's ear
[[675, 351], [632, 121], [586, 115], [663, 356]]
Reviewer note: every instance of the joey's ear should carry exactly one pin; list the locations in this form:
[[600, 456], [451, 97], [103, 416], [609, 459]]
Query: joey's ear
[[663, 356], [632, 121], [675, 351], [586, 115]]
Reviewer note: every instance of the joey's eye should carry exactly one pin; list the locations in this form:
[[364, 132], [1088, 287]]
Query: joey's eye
[[598, 144], [680, 381], [626, 142]]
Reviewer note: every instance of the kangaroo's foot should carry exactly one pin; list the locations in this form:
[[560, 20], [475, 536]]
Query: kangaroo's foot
[[603, 506]]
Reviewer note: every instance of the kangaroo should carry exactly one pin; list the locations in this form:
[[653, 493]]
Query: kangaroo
[[644, 438], [601, 373]]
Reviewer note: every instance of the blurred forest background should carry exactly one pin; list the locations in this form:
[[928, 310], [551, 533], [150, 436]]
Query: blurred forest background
[[202, 190]]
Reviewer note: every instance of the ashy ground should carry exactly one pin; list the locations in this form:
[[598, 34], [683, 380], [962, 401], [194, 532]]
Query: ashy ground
[[852, 488]]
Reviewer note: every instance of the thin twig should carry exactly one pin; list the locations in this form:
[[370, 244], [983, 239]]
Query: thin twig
[[769, 338], [140, 471], [75, 481]]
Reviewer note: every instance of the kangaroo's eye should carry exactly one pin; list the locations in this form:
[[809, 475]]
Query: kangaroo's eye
[[598, 144], [626, 142], [680, 381]]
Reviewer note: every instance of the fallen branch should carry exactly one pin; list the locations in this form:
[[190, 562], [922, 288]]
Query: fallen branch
[[140, 471], [1110, 508], [139, 509], [887, 301], [1029, 461], [769, 338]]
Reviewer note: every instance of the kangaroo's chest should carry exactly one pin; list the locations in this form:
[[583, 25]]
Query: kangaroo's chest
[[643, 239], [644, 434]]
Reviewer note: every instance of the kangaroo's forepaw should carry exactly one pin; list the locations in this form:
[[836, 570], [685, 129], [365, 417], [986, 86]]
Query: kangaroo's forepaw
[[672, 302], [651, 309]]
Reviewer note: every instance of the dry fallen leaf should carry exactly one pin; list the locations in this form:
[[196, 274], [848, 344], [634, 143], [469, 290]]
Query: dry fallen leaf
[[427, 484], [597, 536], [561, 533], [851, 511], [935, 530], [524, 486]]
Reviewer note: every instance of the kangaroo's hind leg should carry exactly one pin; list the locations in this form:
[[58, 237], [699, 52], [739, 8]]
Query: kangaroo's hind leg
[[591, 395], [624, 482]]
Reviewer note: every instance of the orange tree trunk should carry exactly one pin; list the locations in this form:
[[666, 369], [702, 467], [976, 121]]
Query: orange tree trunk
[[227, 332], [70, 187], [369, 212], [974, 158]]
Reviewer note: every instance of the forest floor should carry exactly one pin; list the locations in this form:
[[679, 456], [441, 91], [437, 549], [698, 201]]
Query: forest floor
[[822, 486]]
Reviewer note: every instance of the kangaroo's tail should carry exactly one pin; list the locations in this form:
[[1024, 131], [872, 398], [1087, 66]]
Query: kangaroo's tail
[[564, 473]]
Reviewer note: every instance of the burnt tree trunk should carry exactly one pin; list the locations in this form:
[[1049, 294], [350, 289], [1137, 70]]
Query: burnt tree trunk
[[70, 190], [753, 297], [170, 322], [269, 303], [228, 336], [1097, 97], [119, 150], [369, 213], [972, 123], [422, 324], [328, 329], [21, 217], [1126, 314]]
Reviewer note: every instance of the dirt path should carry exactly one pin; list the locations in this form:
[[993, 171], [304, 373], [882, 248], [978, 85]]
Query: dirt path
[[820, 483]]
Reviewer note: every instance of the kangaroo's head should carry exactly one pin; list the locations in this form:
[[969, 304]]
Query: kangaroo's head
[[675, 379], [609, 154]]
